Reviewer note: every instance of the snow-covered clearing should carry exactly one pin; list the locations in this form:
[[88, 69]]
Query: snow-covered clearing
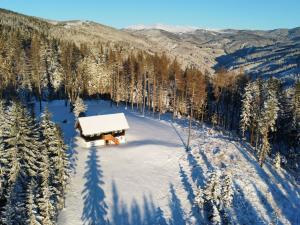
[[152, 178]]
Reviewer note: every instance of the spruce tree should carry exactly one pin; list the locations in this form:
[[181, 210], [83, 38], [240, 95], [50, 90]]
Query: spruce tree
[[61, 161], [215, 217], [2, 148], [267, 121], [251, 109], [212, 189], [199, 198], [212, 197], [55, 149], [216, 197], [79, 107], [227, 191], [2, 118], [31, 206], [18, 161], [9, 158], [277, 161], [246, 108], [44, 203], [296, 112]]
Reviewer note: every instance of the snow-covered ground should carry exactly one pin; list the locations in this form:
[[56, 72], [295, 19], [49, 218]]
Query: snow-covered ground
[[152, 178]]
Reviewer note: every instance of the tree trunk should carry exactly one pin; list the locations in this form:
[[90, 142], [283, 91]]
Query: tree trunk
[[117, 87], [111, 91], [159, 102], [190, 122], [252, 136], [256, 142], [174, 100], [189, 133], [132, 91], [144, 95], [148, 97], [154, 96]]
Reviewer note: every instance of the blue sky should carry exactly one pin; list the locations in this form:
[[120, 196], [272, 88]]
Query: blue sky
[[241, 14]]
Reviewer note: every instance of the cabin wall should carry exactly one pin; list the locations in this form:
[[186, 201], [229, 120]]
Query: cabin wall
[[96, 143], [100, 142]]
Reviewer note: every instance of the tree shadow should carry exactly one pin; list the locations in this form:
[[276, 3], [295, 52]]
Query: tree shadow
[[187, 185], [149, 211], [196, 212], [177, 213], [287, 197], [244, 211], [179, 135], [196, 170], [143, 142], [209, 166], [159, 217], [292, 191], [269, 209], [72, 155], [135, 214], [95, 208]]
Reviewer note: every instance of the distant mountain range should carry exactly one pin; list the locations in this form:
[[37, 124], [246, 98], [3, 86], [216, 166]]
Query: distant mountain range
[[260, 53], [169, 28]]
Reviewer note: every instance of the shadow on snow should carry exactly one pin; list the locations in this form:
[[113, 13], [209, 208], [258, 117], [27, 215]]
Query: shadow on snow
[[147, 214], [95, 208]]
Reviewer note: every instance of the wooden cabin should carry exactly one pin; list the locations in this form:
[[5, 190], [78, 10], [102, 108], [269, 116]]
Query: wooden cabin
[[103, 129]]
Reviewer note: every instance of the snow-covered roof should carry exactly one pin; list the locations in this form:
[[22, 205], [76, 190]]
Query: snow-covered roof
[[93, 125]]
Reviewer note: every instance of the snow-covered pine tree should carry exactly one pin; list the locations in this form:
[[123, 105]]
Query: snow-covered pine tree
[[44, 203], [212, 189], [9, 210], [2, 117], [2, 147], [31, 206], [9, 159], [79, 107], [264, 150], [29, 142], [61, 161], [215, 216], [214, 119], [216, 197], [3, 181], [267, 121], [277, 161], [199, 198], [226, 198], [296, 111], [227, 191], [19, 160], [212, 196], [57, 159], [250, 112], [246, 108]]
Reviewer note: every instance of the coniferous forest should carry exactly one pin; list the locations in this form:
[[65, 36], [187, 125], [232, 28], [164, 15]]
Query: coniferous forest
[[37, 67]]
